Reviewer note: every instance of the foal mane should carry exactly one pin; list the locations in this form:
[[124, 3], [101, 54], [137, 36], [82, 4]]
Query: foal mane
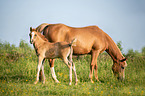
[[42, 36]]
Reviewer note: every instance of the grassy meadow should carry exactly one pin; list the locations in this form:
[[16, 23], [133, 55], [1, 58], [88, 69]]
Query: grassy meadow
[[18, 72]]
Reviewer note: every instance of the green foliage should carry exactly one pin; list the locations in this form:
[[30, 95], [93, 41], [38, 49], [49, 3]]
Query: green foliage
[[18, 72], [119, 44], [143, 51]]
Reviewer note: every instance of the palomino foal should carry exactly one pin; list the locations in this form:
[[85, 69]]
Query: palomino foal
[[46, 50]]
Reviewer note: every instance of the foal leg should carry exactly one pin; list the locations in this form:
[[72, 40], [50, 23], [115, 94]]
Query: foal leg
[[51, 63], [70, 68], [40, 60], [43, 71], [74, 69]]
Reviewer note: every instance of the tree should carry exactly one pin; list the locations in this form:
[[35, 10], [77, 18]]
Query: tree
[[120, 46], [143, 51]]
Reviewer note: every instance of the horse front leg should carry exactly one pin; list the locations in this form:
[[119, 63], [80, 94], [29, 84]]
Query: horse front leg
[[94, 64], [40, 60], [51, 63]]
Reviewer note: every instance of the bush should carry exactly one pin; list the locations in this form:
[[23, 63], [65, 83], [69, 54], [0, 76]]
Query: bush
[[143, 51]]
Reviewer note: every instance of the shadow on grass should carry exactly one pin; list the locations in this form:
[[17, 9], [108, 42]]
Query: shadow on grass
[[15, 78]]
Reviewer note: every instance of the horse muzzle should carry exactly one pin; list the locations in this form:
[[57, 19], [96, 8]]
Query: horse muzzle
[[31, 41]]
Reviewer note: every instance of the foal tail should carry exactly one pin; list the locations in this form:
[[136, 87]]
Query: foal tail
[[73, 42], [41, 27]]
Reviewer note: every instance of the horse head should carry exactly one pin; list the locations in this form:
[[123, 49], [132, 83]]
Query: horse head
[[32, 35], [119, 68]]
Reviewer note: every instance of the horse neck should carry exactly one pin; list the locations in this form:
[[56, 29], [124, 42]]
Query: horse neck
[[114, 51]]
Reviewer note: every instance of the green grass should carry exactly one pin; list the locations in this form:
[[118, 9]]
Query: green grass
[[18, 73]]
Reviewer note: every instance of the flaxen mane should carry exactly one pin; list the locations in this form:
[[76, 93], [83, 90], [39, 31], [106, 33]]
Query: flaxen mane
[[41, 27]]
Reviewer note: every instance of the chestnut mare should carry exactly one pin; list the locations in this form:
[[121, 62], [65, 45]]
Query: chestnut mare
[[90, 40]]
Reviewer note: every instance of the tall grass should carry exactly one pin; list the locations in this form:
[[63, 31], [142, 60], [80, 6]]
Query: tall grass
[[18, 73]]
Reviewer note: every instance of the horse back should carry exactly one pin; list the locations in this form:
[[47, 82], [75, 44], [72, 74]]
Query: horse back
[[88, 38], [56, 32]]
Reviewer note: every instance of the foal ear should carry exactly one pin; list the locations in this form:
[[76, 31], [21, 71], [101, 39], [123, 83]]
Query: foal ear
[[123, 60], [31, 29]]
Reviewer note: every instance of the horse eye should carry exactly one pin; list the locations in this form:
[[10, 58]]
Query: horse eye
[[35, 35]]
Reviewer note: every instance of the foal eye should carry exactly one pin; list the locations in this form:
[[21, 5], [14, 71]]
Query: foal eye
[[122, 67], [35, 35]]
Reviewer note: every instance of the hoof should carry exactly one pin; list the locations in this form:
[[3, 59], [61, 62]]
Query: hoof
[[92, 81], [76, 83], [35, 82], [57, 82], [70, 83], [43, 82]]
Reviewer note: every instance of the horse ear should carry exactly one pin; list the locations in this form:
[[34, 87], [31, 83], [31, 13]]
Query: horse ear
[[123, 60], [31, 29]]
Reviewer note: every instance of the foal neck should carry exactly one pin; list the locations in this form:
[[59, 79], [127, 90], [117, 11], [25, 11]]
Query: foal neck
[[38, 42]]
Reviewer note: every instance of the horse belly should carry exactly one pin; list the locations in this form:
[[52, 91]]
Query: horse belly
[[80, 51]]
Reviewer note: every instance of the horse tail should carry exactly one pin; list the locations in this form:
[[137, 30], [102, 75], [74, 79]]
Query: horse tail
[[73, 42], [41, 27]]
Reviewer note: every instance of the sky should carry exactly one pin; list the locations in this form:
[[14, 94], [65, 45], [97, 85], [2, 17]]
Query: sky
[[122, 20]]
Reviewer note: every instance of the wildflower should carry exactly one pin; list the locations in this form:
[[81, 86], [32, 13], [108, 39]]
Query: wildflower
[[129, 92], [142, 92], [11, 90], [65, 76], [101, 92], [111, 86], [2, 90], [59, 84], [88, 92], [95, 88], [26, 80]]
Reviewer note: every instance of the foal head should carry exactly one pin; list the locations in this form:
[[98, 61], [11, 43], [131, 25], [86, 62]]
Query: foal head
[[119, 69], [34, 35]]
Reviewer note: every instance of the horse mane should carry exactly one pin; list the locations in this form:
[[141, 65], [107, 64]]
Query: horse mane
[[42, 36], [41, 27]]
